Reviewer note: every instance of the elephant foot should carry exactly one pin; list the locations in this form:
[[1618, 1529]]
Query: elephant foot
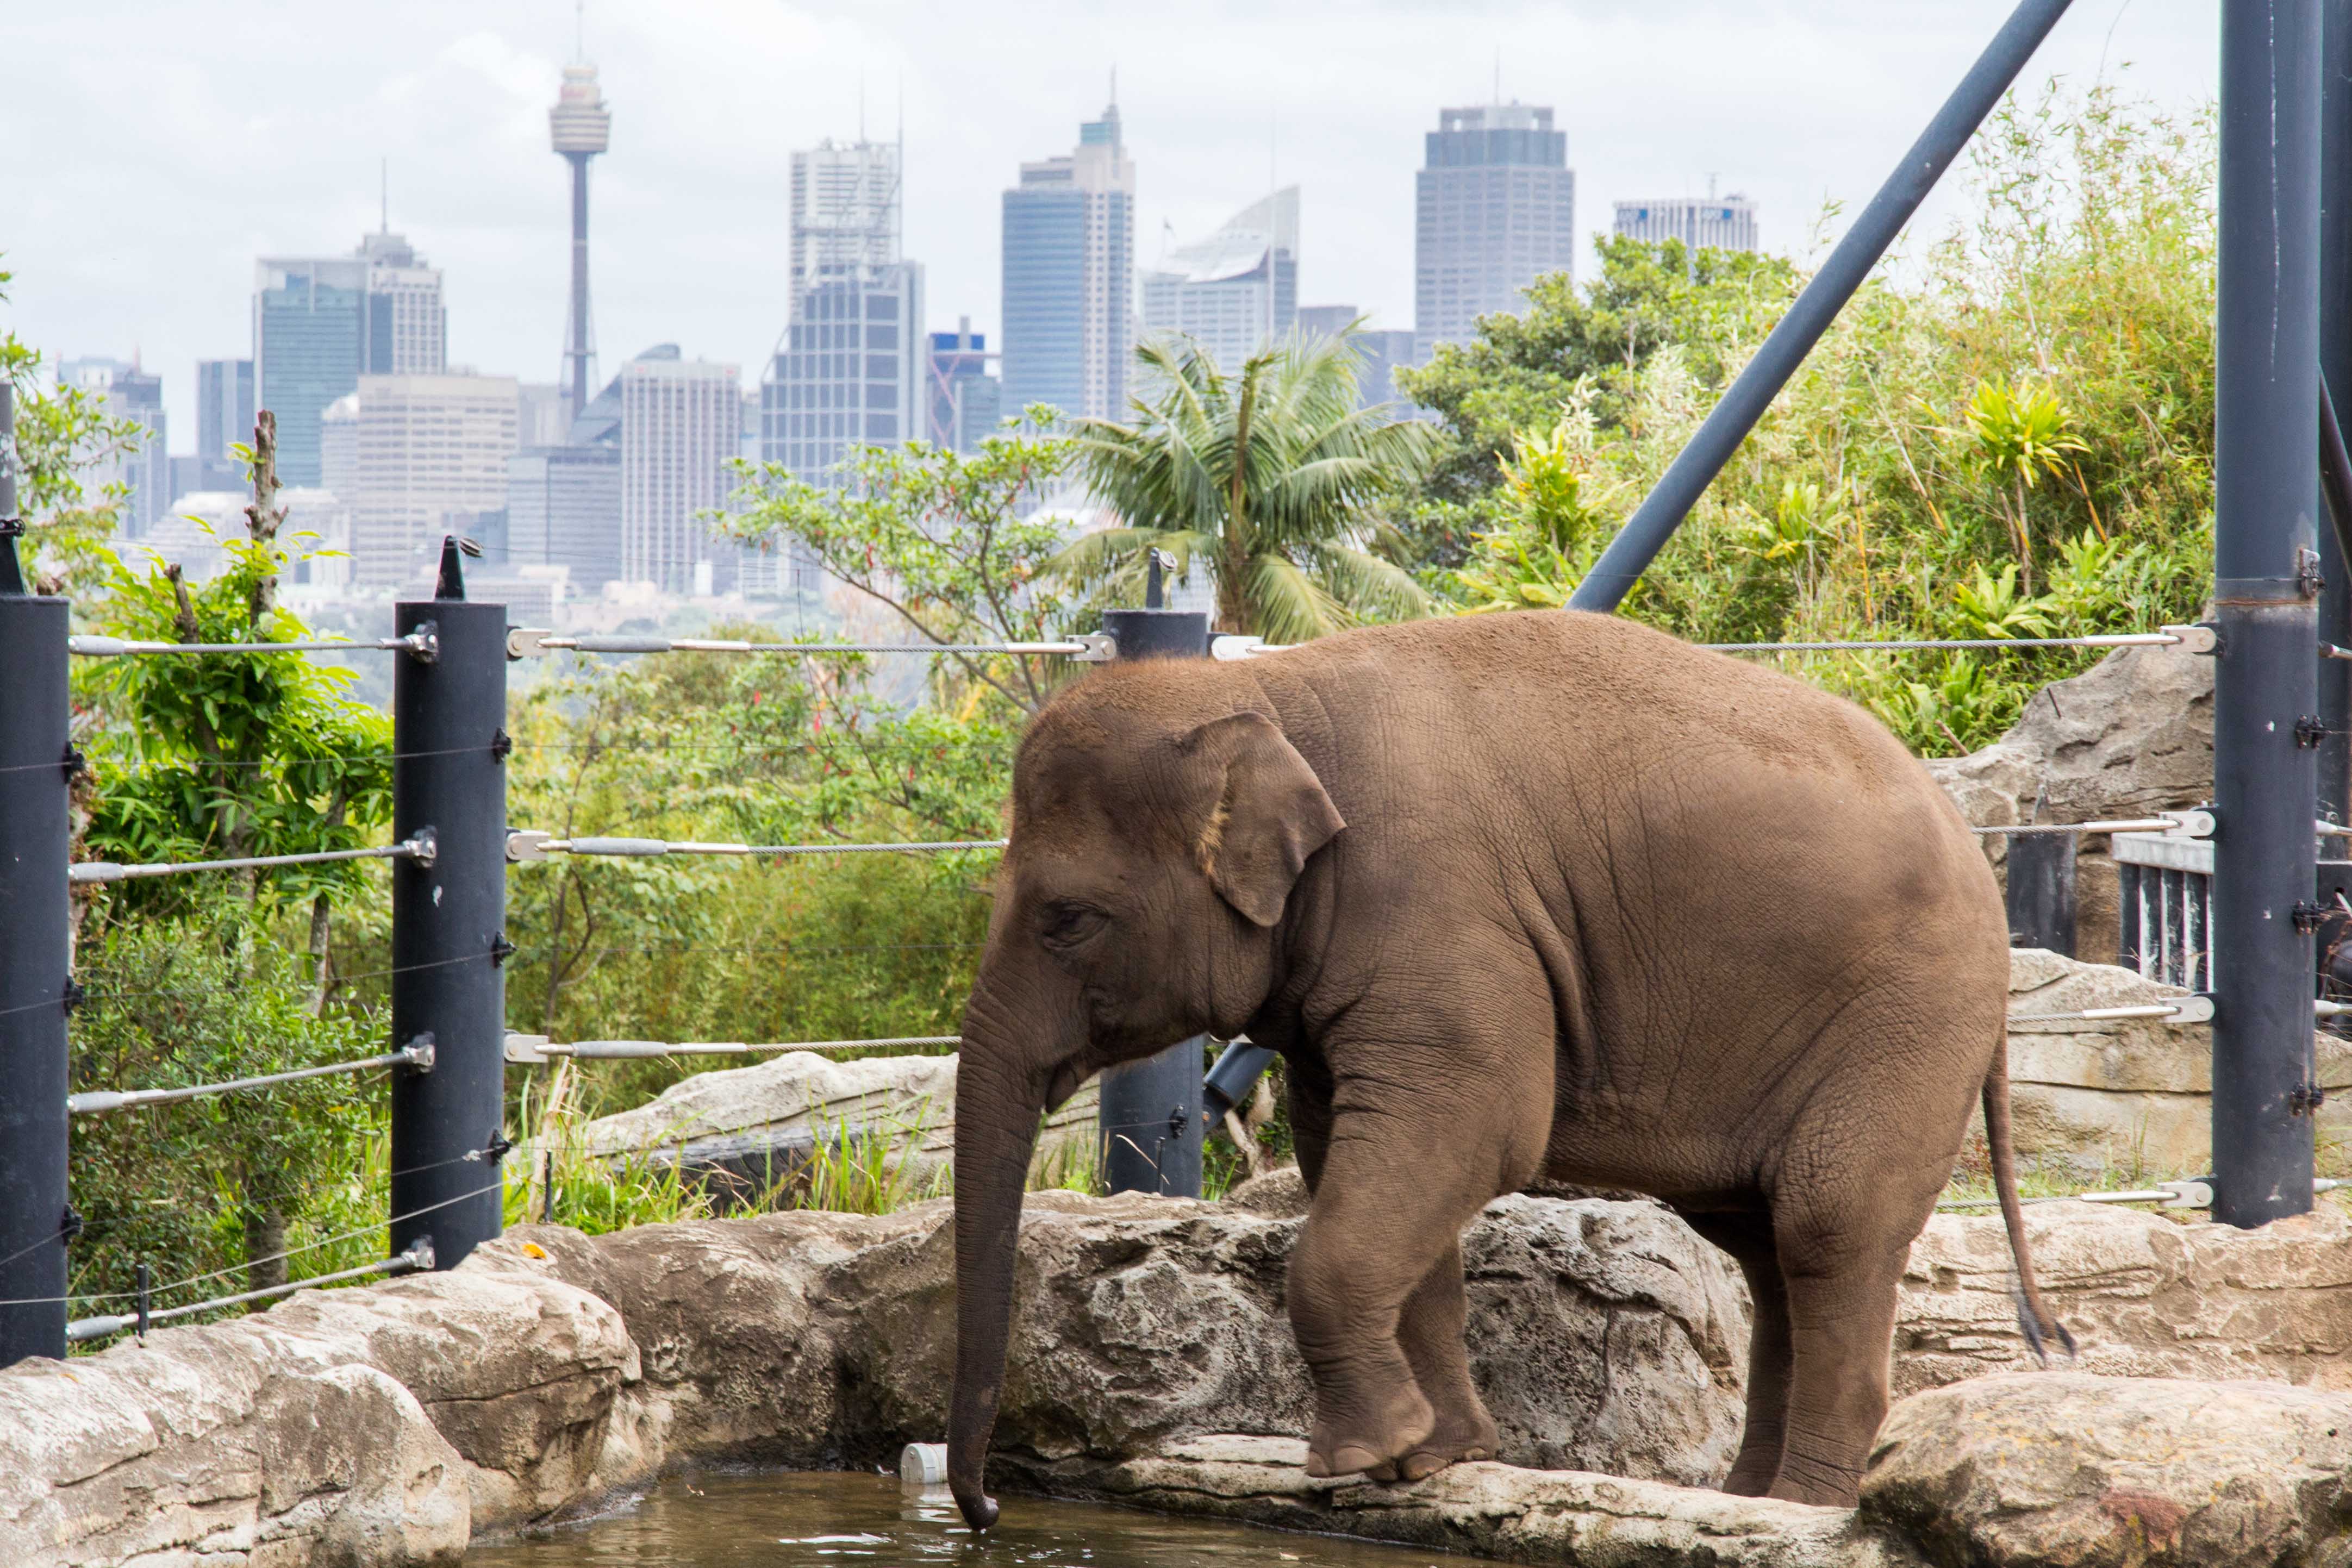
[[1452, 1443], [1406, 1427]]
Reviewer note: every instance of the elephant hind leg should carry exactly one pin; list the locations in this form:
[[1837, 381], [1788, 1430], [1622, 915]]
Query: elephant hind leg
[[1748, 1240]]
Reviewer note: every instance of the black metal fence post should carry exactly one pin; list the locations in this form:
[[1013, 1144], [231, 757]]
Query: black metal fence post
[[2266, 718], [2335, 372], [1151, 1110], [36, 951], [2042, 891], [448, 921]]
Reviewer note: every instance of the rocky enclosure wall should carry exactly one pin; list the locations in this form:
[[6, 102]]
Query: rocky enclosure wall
[[388, 1425]]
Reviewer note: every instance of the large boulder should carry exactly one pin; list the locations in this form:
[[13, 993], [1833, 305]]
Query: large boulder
[[746, 1129], [2144, 1295], [365, 1426], [2095, 1472], [2093, 1096], [1603, 1334], [2129, 736]]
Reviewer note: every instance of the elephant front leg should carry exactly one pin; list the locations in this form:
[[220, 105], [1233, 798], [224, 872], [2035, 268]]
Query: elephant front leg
[[1430, 1329], [1376, 1302]]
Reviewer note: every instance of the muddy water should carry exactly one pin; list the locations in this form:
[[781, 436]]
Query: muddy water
[[844, 1520]]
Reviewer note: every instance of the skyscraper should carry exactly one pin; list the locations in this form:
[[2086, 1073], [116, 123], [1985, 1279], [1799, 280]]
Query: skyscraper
[[1702, 222], [563, 497], [581, 127], [1069, 276], [429, 445], [681, 426], [1237, 291], [850, 370], [224, 419], [142, 468], [1380, 354], [321, 323], [1495, 209], [966, 402]]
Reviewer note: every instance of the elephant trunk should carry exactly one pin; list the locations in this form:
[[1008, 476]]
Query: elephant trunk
[[997, 1112]]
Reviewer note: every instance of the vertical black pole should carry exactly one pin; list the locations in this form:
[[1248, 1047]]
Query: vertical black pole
[[2265, 692], [1151, 1112], [2336, 371], [448, 921], [2041, 892], [34, 952]]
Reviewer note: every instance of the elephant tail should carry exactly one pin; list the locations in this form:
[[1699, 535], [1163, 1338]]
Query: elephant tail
[[2034, 1318]]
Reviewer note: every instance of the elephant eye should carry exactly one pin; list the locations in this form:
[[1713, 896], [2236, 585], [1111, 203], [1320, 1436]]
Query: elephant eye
[[1066, 925]]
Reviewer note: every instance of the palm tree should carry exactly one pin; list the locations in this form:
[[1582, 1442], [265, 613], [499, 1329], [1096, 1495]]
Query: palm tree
[[1272, 478]]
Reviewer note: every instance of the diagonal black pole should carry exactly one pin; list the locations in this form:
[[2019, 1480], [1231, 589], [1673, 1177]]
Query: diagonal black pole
[[1646, 533]]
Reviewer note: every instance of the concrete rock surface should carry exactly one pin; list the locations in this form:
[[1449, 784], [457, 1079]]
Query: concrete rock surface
[[2144, 1296], [759, 1125], [2096, 1472], [2131, 735], [1488, 1510], [2091, 1097]]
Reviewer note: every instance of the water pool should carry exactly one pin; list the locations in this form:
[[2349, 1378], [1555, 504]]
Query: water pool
[[854, 1520]]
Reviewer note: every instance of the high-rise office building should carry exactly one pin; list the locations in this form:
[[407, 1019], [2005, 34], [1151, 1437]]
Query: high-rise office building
[[429, 445], [965, 401], [1069, 276], [1495, 209], [1236, 291], [338, 448], [681, 426], [321, 323], [563, 498], [1702, 222], [225, 408], [851, 368], [142, 466], [1380, 354]]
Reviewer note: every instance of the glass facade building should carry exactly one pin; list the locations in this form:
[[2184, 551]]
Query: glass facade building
[[321, 323], [224, 419], [1069, 277], [1702, 222], [1495, 209]]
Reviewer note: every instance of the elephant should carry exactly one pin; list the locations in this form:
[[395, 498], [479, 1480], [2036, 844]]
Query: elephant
[[1542, 896]]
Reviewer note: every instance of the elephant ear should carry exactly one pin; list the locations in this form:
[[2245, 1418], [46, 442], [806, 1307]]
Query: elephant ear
[[1270, 814]]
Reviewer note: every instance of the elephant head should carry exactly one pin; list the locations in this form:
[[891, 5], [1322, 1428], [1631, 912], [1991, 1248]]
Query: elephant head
[[1153, 852]]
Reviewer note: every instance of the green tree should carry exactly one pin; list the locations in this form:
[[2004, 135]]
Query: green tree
[[62, 433], [1518, 371], [1272, 478]]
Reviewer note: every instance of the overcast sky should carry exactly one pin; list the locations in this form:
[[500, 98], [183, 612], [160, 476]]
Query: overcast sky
[[156, 147]]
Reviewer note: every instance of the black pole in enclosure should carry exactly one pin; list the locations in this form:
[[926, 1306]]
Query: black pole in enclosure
[[448, 922], [1646, 533], [2266, 728], [2336, 375], [35, 952], [2041, 891], [1151, 1112]]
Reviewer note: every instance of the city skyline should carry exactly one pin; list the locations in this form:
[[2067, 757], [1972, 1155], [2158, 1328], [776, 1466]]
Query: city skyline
[[712, 105]]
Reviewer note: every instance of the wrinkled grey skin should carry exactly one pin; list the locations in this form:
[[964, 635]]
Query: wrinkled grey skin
[[1516, 896]]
